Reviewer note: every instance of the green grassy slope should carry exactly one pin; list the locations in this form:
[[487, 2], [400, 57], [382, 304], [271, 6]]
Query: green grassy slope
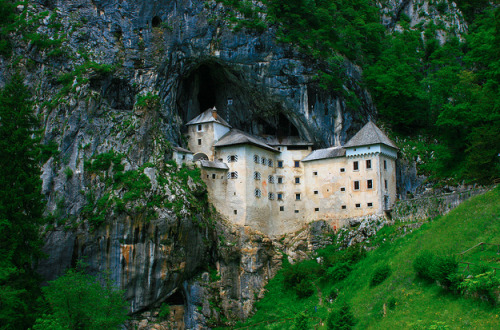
[[419, 305]]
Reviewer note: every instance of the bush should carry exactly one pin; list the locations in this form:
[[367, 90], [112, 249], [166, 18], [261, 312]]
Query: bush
[[484, 285], [341, 318], [304, 289], [339, 271], [301, 322], [443, 267], [423, 264], [164, 313], [380, 274]]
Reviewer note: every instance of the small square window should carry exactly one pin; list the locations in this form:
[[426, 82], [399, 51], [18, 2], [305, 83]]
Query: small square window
[[315, 173], [280, 196], [280, 164], [355, 166], [280, 179], [368, 163], [342, 188], [342, 169], [199, 142], [385, 164], [296, 163], [369, 184], [358, 205], [316, 209], [297, 197], [369, 204], [316, 192], [344, 207], [356, 185], [282, 208], [229, 101], [296, 211], [297, 180], [235, 211], [200, 128]]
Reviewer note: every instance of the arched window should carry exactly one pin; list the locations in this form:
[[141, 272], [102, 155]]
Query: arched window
[[270, 179], [232, 175], [232, 158], [256, 175], [258, 193], [270, 162], [256, 159], [271, 196], [264, 161]]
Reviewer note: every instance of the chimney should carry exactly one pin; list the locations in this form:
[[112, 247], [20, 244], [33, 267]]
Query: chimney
[[214, 113]]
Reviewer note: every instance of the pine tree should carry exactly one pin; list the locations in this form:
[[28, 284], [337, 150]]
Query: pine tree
[[21, 205]]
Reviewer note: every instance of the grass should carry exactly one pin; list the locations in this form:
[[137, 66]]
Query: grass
[[418, 304]]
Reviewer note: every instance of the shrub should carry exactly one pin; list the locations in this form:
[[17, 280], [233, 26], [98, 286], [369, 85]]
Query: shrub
[[380, 274], [339, 271], [422, 265], [304, 289], [301, 322], [164, 313], [391, 303], [484, 285], [342, 318], [442, 268]]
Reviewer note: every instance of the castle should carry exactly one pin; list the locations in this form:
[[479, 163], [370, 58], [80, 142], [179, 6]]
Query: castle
[[277, 185]]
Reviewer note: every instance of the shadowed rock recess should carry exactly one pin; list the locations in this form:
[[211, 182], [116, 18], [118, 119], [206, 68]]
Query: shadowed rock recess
[[114, 88]]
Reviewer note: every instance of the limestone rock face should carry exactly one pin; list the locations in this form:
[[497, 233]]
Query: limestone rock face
[[122, 78]]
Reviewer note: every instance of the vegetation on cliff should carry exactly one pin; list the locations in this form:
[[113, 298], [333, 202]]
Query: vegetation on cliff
[[417, 281]]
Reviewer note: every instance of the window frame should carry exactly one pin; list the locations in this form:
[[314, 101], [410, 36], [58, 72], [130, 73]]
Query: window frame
[[356, 183]]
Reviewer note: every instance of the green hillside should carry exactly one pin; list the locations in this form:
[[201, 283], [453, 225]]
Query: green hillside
[[410, 302]]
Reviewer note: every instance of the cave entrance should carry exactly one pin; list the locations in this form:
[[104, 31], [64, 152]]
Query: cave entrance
[[177, 309]]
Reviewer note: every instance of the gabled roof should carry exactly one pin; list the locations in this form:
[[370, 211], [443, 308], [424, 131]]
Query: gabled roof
[[235, 136], [208, 117], [179, 149], [332, 152], [218, 165], [287, 141], [368, 135]]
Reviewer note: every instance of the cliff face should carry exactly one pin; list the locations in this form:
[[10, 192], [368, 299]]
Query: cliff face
[[120, 79]]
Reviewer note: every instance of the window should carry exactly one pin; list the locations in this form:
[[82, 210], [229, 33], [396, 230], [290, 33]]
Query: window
[[232, 159], [200, 127], [342, 169], [213, 176], [264, 161], [296, 163], [385, 184], [208, 176], [369, 184], [316, 192], [369, 204], [368, 163], [385, 164], [297, 179], [297, 197], [296, 211], [232, 175], [199, 142], [270, 179], [358, 205], [271, 196], [316, 209], [229, 101], [355, 166], [280, 179], [315, 173], [256, 159], [344, 207], [282, 208], [222, 177], [356, 185], [342, 188], [280, 196], [235, 211], [280, 164], [270, 162], [183, 157], [257, 193], [256, 175]]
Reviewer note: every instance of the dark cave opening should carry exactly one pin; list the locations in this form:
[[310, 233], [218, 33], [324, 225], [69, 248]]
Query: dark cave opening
[[156, 21], [206, 93], [177, 298]]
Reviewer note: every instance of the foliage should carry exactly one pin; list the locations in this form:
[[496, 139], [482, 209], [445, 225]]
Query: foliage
[[442, 268], [21, 205], [342, 318], [485, 284], [380, 274], [7, 18], [149, 100], [301, 322], [298, 277], [423, 264], [77, 300], [164, 313]]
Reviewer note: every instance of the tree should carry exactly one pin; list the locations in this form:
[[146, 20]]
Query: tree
[[77, 300], [21, 206], [342, 318]]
